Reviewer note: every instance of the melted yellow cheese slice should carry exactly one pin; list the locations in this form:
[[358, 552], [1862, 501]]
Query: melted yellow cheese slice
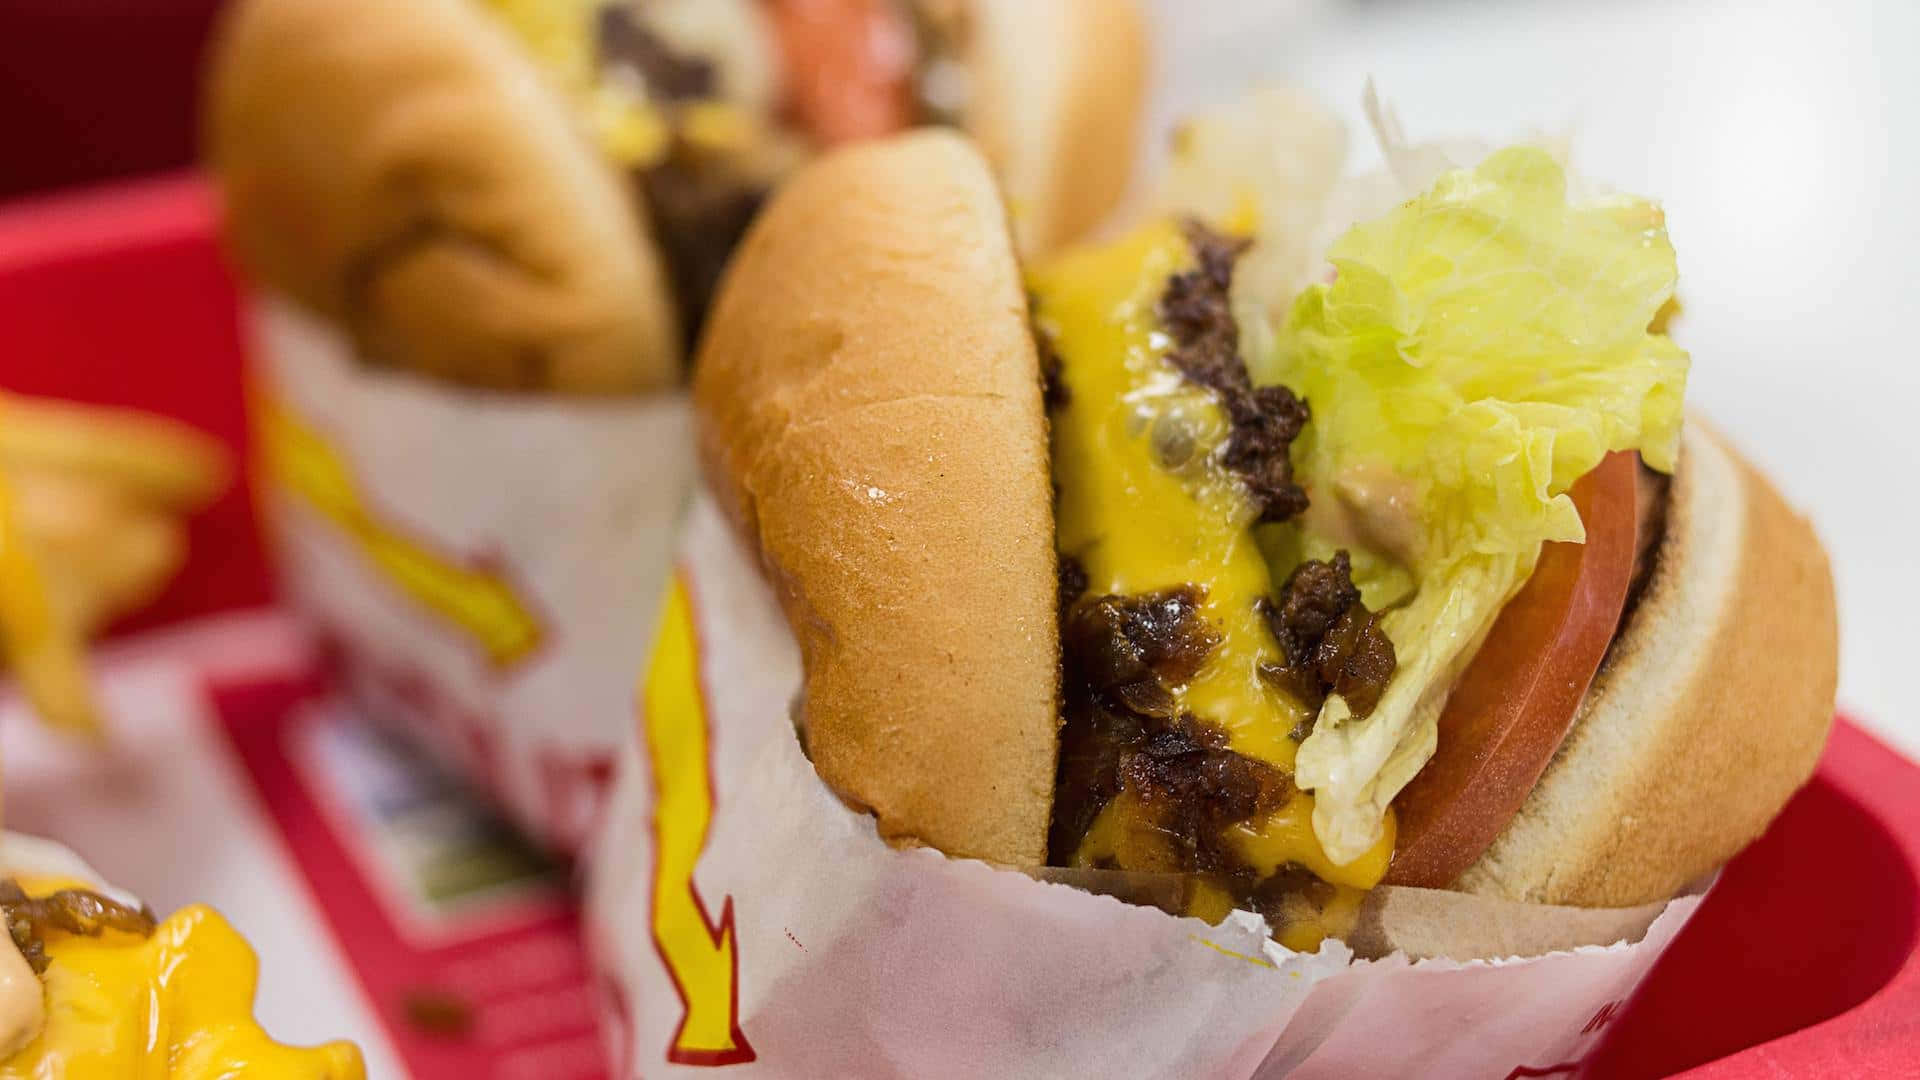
[[1335, 920], [1286, 836], [174, 1006], [1145, 505], [1135, 524]]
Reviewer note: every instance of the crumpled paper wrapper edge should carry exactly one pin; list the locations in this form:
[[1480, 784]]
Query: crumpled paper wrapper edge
[[850, 957]]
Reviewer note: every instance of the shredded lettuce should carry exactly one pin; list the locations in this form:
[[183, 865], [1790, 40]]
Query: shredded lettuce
[[1271, 159], [1481, 347]]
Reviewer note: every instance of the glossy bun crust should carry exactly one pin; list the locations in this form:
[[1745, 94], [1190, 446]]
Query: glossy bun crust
[[869, 408]]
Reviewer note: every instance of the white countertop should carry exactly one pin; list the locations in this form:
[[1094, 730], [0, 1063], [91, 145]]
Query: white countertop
[[1785, 143]]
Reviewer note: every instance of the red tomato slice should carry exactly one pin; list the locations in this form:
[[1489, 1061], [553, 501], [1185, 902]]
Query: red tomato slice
[[849, 66], [1517, 699]]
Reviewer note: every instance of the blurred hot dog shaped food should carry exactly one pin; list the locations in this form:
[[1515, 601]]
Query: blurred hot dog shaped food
[[540, 194]]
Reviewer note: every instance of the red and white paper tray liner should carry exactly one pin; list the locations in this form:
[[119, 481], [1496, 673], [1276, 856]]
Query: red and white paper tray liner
[[851, 958], [560, 512]]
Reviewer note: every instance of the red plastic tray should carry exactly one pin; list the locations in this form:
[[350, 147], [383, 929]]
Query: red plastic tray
[[1805, 961]]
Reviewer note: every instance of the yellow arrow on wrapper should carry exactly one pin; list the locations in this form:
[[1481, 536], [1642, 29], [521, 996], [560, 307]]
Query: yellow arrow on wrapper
[[701, 954], [480, 604]]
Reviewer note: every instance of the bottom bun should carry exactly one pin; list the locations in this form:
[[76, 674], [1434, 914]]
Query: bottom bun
[[1710, 710]]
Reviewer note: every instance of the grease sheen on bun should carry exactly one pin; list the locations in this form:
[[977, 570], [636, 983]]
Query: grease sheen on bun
[[869, 407]]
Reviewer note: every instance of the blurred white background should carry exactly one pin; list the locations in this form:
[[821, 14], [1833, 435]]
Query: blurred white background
[[1784, 140]]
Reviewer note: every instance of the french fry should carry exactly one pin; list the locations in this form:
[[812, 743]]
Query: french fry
[[47, 655], [146, 456], [92, 503]]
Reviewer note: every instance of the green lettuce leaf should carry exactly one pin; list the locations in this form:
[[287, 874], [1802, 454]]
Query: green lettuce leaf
[[1480, 348]]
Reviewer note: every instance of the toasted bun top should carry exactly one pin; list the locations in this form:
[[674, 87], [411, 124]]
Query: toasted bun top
[[1710, 711], [869, 406], [406, 170]]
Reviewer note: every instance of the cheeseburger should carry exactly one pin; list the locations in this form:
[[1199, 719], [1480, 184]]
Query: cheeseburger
[[1316, 535], [540, 194]]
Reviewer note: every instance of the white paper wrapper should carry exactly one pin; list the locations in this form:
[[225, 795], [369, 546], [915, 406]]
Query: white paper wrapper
[[804, 946], [488, 564]]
